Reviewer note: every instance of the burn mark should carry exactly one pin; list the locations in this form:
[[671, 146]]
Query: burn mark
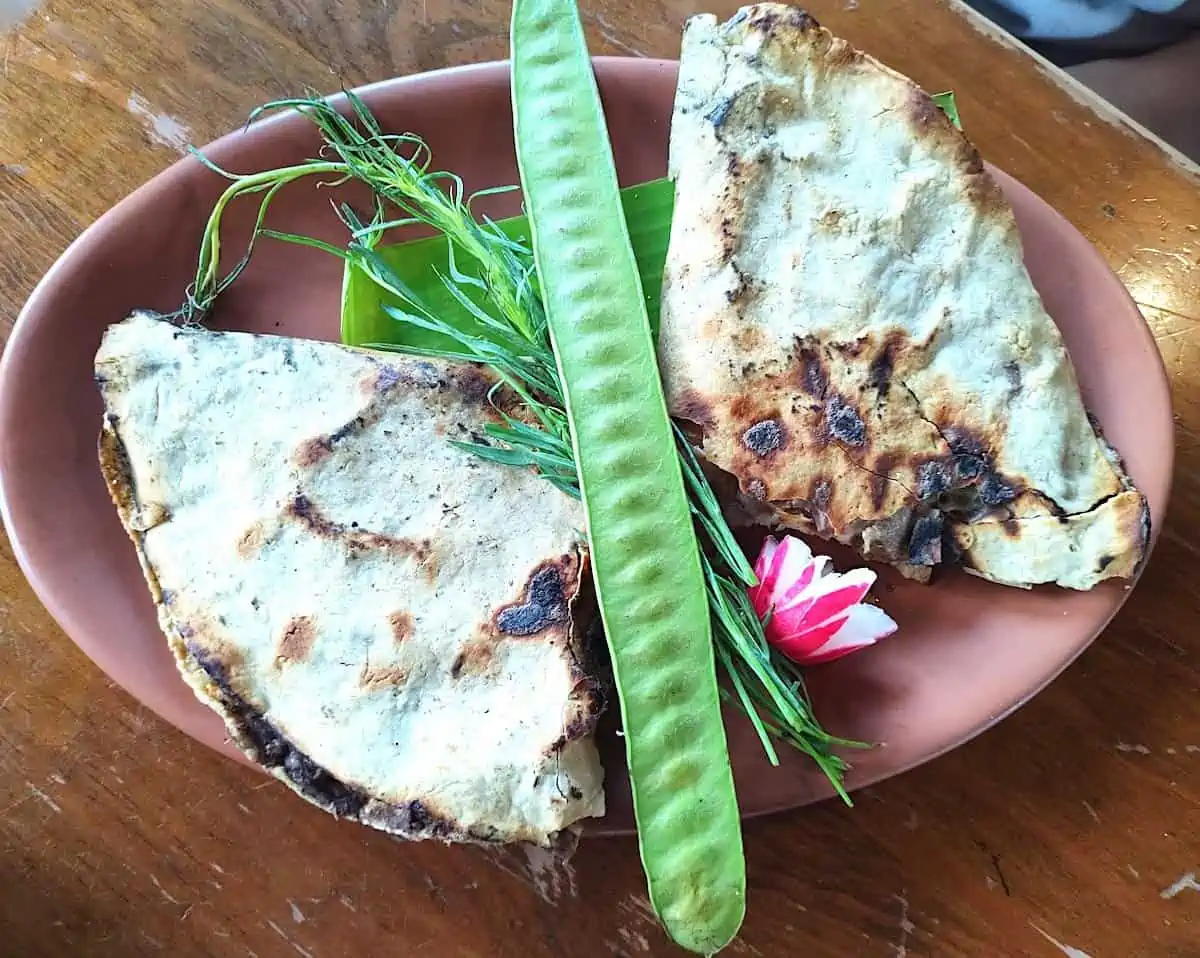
[[1105, 562], [384, 377], [694, 407], [728, 238], [748, 338], [814, 379], [215, 664], [473, 383], [543, 604], [270, 748], [312, 451], [296, 641], [925, 543], [419, 819], [588, 699], [764, 438], [475, 658], [924, 111], [402, 626], [382, 677], [879, 376], [150, 515], [742, 409], [469, 381], [843, 423], [357, 424], [303, 510], [878, 486], [1012, 528], [881, 477], [951, 551], [768, 16]]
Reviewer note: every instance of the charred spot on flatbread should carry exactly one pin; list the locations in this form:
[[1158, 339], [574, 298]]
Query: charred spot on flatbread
[[296, 641], [326, 648], [377, 677], [250, 541], [475, 658], [543, 604], [274, 751], [356, 540], [401, 623], [894, 333], [813, 376]]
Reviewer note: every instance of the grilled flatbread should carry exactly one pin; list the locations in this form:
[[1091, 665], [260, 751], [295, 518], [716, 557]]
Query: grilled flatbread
[[847, 318], [384, 621]]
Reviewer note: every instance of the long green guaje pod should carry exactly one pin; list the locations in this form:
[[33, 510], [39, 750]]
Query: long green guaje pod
[[645, 556]]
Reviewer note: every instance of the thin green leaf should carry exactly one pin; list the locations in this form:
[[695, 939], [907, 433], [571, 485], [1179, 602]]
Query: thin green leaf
[[298, 240], [948, 105]]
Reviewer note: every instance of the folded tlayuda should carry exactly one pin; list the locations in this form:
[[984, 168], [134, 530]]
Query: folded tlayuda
[[383, 620], [848, 321]]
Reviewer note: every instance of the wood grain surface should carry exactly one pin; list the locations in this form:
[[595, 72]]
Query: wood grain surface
[[1073, 828]]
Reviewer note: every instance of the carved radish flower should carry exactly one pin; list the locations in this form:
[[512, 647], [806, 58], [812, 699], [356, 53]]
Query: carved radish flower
[[812, 613]]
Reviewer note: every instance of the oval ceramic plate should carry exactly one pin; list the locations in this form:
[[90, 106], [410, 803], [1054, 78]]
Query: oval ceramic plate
[[969, 652]]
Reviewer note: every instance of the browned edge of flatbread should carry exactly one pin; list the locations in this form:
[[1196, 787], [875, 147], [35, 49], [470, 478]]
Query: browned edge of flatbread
[[915, 537], [209, 676]]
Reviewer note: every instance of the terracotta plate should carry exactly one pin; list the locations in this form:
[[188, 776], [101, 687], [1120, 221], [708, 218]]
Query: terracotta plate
[[969, 652]]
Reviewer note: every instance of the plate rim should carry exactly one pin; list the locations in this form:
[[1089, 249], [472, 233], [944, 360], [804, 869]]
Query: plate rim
[[27, 318]]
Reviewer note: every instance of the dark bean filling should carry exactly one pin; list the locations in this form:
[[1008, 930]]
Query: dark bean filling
[[844, 422], [925, 544], [969, 468], [933, 479], [545, 605], [274, 751], [763, 438], [994, 491]]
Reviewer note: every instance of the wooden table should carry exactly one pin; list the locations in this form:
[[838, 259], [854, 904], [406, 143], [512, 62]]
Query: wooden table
[[1073, 828]]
